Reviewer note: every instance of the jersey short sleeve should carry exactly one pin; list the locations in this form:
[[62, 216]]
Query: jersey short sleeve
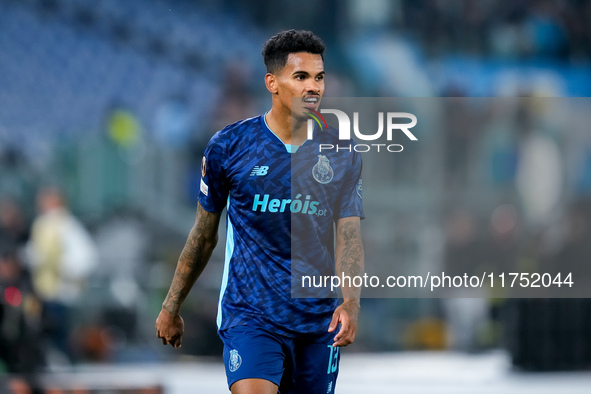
[[213, 190], [350, 203]]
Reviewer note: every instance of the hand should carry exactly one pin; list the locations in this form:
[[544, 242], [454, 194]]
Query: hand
[[346, 314], [170, 328]]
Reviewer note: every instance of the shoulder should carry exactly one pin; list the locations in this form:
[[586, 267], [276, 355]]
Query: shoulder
[[232, 135], [237, 129]]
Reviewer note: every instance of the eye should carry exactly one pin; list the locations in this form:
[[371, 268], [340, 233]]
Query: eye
[[320, 77], [300, 77]]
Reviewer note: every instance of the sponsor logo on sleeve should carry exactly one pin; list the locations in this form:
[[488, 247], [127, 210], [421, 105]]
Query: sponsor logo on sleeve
[[204, 188]]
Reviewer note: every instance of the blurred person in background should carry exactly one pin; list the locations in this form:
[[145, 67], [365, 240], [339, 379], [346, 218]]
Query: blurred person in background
[[14, 231], [271, 340], [16, 385], [235, 101], [62, 255], [17, 179], [20, 311]]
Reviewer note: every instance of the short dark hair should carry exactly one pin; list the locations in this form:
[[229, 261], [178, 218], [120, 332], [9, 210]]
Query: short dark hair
[[277, 48]]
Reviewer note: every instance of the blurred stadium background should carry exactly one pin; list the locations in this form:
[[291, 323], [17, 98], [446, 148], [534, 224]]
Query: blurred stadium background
[[113, 102]]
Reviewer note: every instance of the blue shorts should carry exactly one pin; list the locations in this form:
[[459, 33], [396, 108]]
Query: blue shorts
[[307, 364]]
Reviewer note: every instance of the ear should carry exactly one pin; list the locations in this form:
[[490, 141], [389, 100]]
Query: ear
[[271, 83]]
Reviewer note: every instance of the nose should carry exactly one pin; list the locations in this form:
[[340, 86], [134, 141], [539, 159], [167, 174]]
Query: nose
[[313, 87]]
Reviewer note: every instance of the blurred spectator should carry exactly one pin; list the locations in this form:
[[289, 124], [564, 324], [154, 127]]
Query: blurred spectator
[[173, 123], [62, 256], [465, 316], [17, 179], [123, 126], [539, 177], [20, 312], [519, 29], [13, 227], [235, 101], [15, 385], [461, 133]]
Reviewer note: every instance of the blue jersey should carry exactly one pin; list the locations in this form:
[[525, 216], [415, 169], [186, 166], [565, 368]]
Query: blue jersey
[[282, 203]]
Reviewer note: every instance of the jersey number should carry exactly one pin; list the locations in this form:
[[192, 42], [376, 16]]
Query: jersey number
[[333, 359]]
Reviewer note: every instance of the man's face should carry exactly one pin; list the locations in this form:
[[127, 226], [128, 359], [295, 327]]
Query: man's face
[[302, 77]]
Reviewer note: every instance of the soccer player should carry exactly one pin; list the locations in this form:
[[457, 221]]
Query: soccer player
[[280, 191]]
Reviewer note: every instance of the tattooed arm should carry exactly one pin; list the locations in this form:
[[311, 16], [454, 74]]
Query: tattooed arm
[[349, 262], [193, 259]]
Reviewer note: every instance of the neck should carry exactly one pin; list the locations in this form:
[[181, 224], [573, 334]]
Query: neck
[[289, 130]]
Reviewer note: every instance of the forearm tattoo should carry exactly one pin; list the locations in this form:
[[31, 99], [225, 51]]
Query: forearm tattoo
[[350, 260], [193, 259]]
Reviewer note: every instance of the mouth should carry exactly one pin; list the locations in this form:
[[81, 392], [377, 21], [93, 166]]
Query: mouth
[[311, 101]]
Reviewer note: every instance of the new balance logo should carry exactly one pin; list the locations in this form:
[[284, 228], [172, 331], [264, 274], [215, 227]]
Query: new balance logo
[[259, 170]]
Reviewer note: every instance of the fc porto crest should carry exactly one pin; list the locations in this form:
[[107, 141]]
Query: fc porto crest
[[235, 360], [322, 171]]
